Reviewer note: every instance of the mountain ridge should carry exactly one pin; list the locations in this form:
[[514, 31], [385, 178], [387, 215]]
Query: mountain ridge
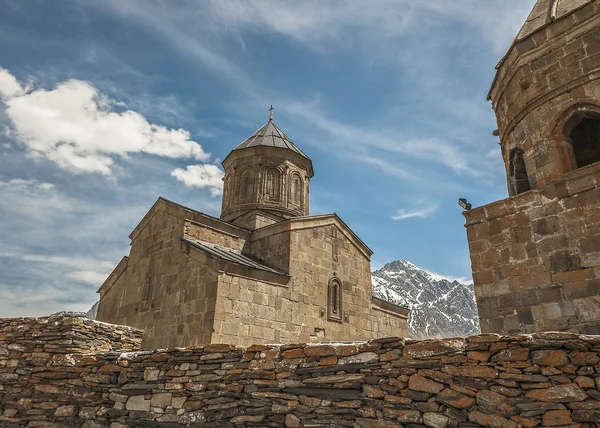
[[439, 307]]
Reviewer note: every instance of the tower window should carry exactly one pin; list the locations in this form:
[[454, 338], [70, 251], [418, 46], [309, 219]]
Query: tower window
[[246, 184], [272, 185], [297, 190], [519, 181], [585, 140], [334, 300]]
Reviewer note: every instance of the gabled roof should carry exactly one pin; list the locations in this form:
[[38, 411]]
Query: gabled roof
[[546, 11], [270, 135], [229, 255]]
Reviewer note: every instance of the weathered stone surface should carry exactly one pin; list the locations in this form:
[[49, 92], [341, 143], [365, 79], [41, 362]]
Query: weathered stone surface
[[581, 415], [435, 420], [495, 403], [455, 399], [138, 402], [433, 348], [556, 418], [362, 358], [420, 383], [292, 421], [559, 394], [335, 379], [226, 389], [403, 416], [519, 354], [550, 357], [491, 420]]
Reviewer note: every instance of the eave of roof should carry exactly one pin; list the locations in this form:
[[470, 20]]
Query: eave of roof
[[229, 255]]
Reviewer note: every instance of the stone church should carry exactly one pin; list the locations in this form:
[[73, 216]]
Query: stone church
[[264, 272], [536, 255]]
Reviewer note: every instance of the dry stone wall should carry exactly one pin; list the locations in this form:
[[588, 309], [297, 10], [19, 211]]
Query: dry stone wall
[[544, 379]]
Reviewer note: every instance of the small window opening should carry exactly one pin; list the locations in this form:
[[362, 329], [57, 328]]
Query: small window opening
[[585, 140], [297, 191], [519, 181], [335, 306], [246, 182], [272, 190], [334, 301]]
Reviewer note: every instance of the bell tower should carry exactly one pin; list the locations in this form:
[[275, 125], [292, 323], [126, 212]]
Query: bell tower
[[266, 179], [536, 255]]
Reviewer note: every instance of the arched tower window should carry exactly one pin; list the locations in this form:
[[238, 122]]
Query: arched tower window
[[585, 140], [246, 184], [297, 190], [519, 181], [334, 300], [272, 187]]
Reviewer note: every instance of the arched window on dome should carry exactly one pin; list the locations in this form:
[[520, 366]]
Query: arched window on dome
[[334, 300], [272, 185], [519, 181], [585, 139], [297, 190], [246, 179]]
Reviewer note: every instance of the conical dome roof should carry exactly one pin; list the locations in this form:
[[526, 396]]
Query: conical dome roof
[[271, 136], [546, 11]]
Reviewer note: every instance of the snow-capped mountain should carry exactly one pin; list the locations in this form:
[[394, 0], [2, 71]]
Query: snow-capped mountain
[[439, 308]]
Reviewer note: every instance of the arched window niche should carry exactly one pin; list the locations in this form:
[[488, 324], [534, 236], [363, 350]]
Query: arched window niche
[[581, 130], [334, 300], [272, 185], [297, 191], [517, 173], [246, 182]]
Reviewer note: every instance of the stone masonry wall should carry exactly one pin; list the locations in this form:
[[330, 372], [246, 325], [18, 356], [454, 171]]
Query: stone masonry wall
[[166, 290], [544, 379], [536, 257], [542, 81]]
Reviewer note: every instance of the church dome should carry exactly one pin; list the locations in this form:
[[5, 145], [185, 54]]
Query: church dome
[[266, 179], [547, 11], [271, 136]]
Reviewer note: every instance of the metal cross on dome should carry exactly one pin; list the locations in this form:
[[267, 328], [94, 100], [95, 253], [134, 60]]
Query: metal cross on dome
[[271, 112]]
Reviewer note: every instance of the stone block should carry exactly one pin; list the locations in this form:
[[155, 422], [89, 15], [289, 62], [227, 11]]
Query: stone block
[[138, 402], [420, 383], [565, 393], [588, 309], [555, 418], [555, 358], [520, 299], [564, 261], [489, 307]]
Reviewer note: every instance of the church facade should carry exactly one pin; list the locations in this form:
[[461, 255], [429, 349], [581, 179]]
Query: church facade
[[264, 272], [536, 255]]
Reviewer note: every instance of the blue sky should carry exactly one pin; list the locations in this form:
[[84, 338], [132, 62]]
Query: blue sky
[[107, 105]]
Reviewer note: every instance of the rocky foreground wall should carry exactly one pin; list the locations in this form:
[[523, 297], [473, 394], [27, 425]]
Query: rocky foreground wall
[[46, 380]]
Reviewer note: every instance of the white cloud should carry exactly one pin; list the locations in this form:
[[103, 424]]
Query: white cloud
[[420, 209], [203, 176], [33, 200], [88, 276], [21, 185], [9, 86], [77, 127], [44, 299], [76, 263]]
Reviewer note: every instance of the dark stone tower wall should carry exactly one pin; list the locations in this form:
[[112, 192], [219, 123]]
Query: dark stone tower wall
[[264, 185], [536, 255]]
